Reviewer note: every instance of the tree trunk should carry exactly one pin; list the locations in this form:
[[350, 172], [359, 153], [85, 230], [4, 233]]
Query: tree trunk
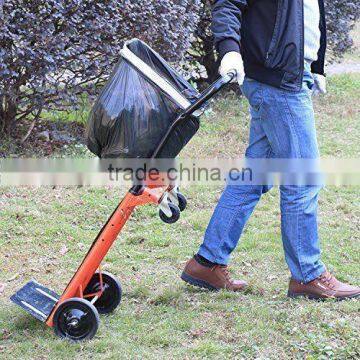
[[210, 63], [8, 111], [2, 120]]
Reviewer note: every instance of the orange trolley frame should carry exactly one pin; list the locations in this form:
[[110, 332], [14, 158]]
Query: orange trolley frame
[[153, 194], [147, 193]]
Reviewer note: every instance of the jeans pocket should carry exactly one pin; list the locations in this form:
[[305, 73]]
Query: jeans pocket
[[309, 87], [252, 90], [309, 84]]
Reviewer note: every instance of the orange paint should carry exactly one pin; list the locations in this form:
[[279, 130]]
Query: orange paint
[[92, 261]]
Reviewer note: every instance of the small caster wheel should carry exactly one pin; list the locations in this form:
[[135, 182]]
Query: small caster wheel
[[76, 319], [174, 217], [111, 296], [182, 201]]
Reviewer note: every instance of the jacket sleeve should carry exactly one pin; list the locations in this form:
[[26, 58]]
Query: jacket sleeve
[[226, 24]]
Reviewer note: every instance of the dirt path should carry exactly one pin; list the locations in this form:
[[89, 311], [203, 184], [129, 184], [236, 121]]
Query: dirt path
[[351, 62], [343, 68]]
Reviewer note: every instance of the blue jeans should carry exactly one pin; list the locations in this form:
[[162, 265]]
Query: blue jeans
[[282, 126]]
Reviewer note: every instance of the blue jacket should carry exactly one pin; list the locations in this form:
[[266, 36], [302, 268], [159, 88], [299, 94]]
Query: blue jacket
[[270, 36]]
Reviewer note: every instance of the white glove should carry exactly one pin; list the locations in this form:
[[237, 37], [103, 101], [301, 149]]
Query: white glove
[[319, 84], [233, 61]]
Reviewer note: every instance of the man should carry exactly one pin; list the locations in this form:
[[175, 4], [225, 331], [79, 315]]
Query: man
[[278, 46]]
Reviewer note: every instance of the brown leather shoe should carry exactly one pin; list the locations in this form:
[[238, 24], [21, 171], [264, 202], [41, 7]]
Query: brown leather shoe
[[326, 286], [213, 278]]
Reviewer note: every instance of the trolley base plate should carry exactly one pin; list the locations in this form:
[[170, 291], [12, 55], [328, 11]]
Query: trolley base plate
[[36, 299]]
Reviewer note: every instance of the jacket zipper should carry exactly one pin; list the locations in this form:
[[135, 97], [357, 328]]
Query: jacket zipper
[[275, 33]]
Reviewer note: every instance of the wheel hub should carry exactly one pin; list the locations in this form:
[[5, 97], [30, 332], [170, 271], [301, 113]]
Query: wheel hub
[[76, 319], [75, 322]]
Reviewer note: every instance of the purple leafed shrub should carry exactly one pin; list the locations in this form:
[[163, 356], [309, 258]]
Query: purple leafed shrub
[[341, 17], [52, 52]]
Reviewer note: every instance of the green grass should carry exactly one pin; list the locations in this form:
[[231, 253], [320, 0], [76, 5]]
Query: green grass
[[80, 115], [161, 317]]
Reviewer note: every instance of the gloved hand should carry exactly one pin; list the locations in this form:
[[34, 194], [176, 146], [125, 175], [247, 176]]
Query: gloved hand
[[233, 61], [319, 84]]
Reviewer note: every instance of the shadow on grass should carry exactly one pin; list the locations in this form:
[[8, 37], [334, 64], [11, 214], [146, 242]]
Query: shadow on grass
[[28, 324]]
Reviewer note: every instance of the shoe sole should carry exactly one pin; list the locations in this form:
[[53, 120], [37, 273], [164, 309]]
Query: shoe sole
[[314, 297], [197, 282]]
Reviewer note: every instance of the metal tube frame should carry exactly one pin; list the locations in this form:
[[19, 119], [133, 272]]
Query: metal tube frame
[[138, 195]]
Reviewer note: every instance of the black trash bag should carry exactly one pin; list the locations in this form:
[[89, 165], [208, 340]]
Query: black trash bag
[[132, 114]]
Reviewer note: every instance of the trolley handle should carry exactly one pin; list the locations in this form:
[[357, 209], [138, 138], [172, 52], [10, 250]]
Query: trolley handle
[[208, 93], [203, 98]]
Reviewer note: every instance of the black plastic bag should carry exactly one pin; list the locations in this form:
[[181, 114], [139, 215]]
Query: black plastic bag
[[134, 112]]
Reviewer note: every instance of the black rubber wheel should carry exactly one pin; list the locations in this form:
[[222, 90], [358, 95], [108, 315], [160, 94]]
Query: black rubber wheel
[[182, 201], [110, 298], [76, 319], [175, 214]]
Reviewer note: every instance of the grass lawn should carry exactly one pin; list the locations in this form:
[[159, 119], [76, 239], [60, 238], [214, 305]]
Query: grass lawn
[[45, 232]]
